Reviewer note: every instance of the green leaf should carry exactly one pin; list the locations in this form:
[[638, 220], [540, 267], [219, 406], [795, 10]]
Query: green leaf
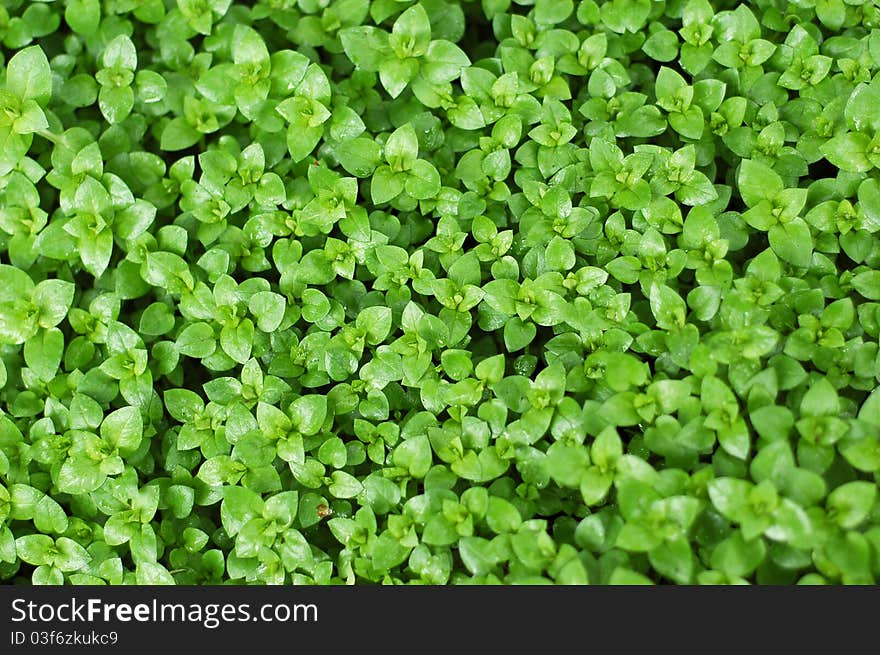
[[414, 455], [851, 503], [820, 400], [757, 182], [861, 107], [70, 556], [344, 485], [668, 87], [31, 118], [43, 353], [268, 308], [237, 341], [402, 148], [120, 52], [662, 45], [178, 135], [28, 75], [422, 181], [673, 559], [197, 340], [792, 242], [443, 62], [551, 12], [248, 46], [518, 334], [848, 152], [95, 252], [413, 28], [478, 555], [396, 74], [153, 573], [359, 156], [302, 139], [366, 46], [53, 298], [729, 496], [792, 525], [668, 307], [386, 185], [123, 429], [79, 475], [308, 413], [116, 103], [83, 16], [867, 283], [239, 506], [738, 557], [35, 549]]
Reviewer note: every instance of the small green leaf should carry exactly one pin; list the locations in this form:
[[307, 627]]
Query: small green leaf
[[344, 485], [28, 75], [197, 340]]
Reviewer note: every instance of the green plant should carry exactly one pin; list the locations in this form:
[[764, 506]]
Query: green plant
[[331, 291]]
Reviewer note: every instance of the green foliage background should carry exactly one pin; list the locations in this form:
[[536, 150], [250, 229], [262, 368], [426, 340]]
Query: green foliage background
[[352, 292]]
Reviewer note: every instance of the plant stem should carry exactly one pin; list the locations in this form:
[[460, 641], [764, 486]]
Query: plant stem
[[50, 136]]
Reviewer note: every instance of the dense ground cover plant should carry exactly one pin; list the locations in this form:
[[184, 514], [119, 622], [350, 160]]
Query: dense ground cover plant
[[339, 291]]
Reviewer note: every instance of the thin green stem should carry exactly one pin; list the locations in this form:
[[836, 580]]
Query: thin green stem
[[50, 136]]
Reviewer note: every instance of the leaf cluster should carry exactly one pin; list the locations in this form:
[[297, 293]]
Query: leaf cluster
[[427, 292]]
